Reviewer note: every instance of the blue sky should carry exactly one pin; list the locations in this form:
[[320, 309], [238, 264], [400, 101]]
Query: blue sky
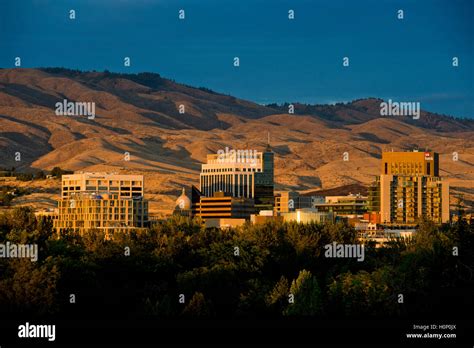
[[280, 59]]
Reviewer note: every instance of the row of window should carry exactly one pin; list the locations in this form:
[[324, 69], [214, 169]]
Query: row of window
[[221, 170], [103, 182], [97, 217], [114, 182]]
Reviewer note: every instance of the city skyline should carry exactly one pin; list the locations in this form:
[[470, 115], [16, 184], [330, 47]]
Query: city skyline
[[274, 171], [407, 189]]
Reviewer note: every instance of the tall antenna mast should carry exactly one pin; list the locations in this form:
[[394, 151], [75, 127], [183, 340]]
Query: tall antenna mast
[[268, 149]]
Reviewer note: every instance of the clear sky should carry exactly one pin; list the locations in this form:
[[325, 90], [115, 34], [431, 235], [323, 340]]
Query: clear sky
[[281, 60]]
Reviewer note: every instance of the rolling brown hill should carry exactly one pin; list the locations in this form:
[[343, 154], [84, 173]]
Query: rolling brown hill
[[139, 114]]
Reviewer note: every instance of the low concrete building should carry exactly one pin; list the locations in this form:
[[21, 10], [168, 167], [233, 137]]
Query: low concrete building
[[286, 201], [224, 223], [307, 216], [222, 205], [367, 231], [265, 216], [350, 206]]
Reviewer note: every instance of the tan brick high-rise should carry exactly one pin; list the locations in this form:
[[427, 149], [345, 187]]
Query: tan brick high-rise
[[410, 187]]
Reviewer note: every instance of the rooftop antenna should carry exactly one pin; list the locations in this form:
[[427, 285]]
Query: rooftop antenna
[[268, 149]]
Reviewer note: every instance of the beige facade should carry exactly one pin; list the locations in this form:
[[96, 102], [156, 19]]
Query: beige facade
[[306, 216], [125, 186], [410, 163], [96, 201], [409, 188], [404, 199]]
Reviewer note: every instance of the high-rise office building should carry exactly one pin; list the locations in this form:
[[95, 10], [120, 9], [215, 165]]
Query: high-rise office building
[[96, 201], [408, 188], [403, 199], [410, 163], [241, 174]]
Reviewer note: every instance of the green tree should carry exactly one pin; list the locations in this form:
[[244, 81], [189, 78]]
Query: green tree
[[364, 293], [22, 223], [57, 172], [30, 287], [307, 295], [40, 175], [197, 306], [278, 297]]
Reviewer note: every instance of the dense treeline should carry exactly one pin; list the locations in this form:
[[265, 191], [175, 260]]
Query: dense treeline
[[56, 172], [243, 272]]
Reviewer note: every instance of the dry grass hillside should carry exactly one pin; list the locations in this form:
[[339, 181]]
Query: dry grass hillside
[[139, 114]]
